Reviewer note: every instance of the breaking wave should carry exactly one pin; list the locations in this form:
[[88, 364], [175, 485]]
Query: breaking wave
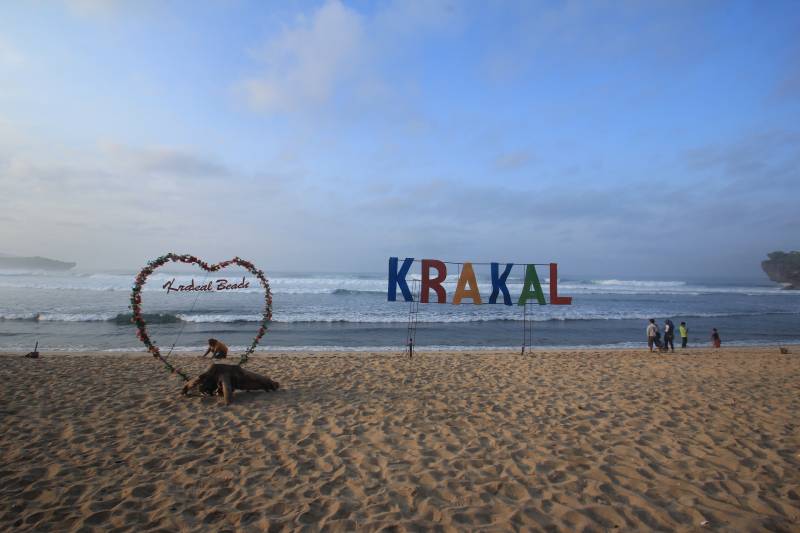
[[367, 285], [360, 318], [636, 283]]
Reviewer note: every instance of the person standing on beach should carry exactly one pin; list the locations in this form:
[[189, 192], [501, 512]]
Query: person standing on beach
[[669, 335], [715, 340], [652, 331], [684, 334]]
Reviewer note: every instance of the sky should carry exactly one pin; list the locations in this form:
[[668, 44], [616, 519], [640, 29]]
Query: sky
[[626, 139]]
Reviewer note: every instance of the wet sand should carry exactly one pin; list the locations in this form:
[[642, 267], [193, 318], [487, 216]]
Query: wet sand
[[588, 440]]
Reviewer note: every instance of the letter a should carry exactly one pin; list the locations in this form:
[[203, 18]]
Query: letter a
[[531, 279], [499, 283], [399, 278], [436, 283], [467, 278], [555, 299]]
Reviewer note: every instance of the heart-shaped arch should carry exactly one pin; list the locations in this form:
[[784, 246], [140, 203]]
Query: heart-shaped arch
[[152, 266]]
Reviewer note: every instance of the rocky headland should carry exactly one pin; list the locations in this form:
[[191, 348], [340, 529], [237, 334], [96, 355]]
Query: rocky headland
[[8, 262], [783, 267]]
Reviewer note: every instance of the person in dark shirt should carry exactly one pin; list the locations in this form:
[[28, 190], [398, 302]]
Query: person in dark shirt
[[669, 335]]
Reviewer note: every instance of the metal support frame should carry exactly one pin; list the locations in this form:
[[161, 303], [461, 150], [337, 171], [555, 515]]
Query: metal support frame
[[527, 329], [413, 311]]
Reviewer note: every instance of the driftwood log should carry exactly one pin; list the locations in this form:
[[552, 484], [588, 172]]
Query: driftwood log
[[225, 379]]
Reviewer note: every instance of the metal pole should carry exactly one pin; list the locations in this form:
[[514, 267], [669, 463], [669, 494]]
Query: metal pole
[[416, 310], [408, 327], [413, 312], [524, 321], [530, 332]]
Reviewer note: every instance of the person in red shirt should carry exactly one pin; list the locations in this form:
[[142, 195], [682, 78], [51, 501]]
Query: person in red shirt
[[715, 340]]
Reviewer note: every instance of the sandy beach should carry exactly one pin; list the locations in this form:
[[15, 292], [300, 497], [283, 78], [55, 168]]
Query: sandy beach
[[588, 440]]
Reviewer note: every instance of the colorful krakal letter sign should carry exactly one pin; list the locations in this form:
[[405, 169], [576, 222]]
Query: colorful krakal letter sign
[[467, 285]]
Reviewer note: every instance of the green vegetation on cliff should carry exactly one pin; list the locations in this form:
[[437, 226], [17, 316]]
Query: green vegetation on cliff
[[783, 267]]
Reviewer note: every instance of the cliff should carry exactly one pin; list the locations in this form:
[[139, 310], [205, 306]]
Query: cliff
[[33, 263], [783, 267]]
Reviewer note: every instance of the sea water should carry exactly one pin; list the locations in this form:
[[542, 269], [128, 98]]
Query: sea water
[[318, 311]]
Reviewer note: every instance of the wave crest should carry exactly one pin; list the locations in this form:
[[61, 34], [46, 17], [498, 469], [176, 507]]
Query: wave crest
[[636, 283], [360, 318]]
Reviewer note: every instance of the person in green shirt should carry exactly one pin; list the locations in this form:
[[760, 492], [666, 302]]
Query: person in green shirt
[[684, 331]]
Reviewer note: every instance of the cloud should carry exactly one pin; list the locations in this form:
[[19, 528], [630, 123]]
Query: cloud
[[510, 161], [107, 9], [742, 197], [77, 203], [141, 201], [724, 204], [575, 35], [401, 19], [305, 63], [766, 161], [345, 181], [92, 6], [335, 57], [10, 56], [166, 161], [788, 86]]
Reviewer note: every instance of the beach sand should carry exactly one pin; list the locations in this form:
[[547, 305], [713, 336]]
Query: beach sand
[[586, 440]]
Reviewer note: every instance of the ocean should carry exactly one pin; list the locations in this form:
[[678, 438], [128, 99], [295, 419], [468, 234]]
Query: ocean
[[78, 311]]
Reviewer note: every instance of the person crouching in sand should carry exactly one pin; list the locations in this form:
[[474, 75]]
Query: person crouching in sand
[[217, 349]]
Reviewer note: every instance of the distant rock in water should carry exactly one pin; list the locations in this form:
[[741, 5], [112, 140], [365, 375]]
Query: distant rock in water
[[33, 263], [783, 267]]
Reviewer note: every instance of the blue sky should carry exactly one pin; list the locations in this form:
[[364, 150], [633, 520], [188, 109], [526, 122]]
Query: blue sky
[[621, 139]]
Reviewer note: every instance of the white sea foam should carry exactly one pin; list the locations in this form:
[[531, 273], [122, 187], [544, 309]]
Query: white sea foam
[[637, 283], [74, 317], [183, 351], [345, 284], [512, 314], [220, 318]]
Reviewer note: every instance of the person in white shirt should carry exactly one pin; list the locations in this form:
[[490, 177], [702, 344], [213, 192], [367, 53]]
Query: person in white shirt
[[652, 332]]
